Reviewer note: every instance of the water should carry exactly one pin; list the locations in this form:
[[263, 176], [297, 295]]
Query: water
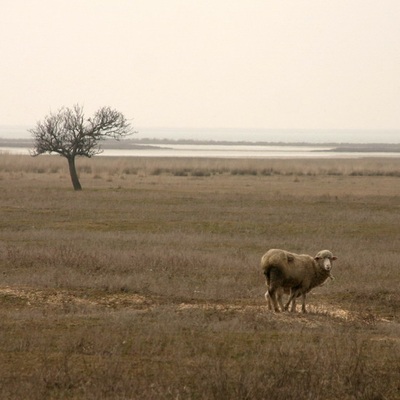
[[237, 151], [218, 151], [226, 151], [245, 134]]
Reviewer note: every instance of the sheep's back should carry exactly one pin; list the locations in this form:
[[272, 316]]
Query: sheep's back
[[295, 267], [274, 257], [300, 268]]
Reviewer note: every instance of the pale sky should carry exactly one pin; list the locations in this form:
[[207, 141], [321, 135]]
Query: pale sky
[[253, 64]]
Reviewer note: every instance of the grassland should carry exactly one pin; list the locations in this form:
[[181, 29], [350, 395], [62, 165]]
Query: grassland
[[147, 285]]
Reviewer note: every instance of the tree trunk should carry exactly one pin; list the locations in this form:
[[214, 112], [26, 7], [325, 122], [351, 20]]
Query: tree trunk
[[74, 176]]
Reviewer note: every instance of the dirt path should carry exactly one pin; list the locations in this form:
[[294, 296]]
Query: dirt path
[[19, 298], [31, 297]]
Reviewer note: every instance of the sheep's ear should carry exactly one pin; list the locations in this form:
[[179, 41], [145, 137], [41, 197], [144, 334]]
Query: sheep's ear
[[317, 258], [334, 258]]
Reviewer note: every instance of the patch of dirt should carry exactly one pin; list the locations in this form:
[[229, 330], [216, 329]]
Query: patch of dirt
[[331, 311], [30, 297], [51, 297]]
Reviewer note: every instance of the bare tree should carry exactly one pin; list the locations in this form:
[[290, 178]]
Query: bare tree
[[69, 134]]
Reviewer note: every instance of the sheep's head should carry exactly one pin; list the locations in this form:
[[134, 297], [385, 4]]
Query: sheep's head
[[324, 258]]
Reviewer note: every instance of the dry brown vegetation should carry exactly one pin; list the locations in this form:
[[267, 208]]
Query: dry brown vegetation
[[147, 284]]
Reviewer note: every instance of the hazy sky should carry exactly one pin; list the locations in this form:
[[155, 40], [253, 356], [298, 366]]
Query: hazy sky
[[267, 64]]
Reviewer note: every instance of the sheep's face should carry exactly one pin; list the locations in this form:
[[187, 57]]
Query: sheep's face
[[324, 259]]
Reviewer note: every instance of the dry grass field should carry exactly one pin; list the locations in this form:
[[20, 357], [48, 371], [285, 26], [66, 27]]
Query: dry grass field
[[147, 284]]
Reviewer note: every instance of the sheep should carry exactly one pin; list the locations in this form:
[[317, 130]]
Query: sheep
[[298, 273]]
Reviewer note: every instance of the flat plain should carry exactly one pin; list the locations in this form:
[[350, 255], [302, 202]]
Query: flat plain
[[147, 284]]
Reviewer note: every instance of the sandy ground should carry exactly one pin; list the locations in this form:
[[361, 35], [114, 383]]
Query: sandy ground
[[31, 297]]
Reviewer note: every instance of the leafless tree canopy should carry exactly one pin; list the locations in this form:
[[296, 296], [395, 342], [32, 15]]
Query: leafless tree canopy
[[69, 134]]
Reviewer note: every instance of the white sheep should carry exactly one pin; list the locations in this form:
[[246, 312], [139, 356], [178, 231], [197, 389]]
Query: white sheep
[[297, 273]]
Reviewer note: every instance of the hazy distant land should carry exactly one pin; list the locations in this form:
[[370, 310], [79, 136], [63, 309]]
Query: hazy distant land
[[148, 143]]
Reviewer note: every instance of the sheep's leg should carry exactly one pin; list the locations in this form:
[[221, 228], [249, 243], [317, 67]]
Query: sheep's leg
[[280, 299], [274, 286], [292, 299], [293, 308], [279, 296], [268, 298], [303, 304], [296, 294], [272, 295]]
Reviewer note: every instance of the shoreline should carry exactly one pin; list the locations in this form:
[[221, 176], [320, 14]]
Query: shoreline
[[162, 144]]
